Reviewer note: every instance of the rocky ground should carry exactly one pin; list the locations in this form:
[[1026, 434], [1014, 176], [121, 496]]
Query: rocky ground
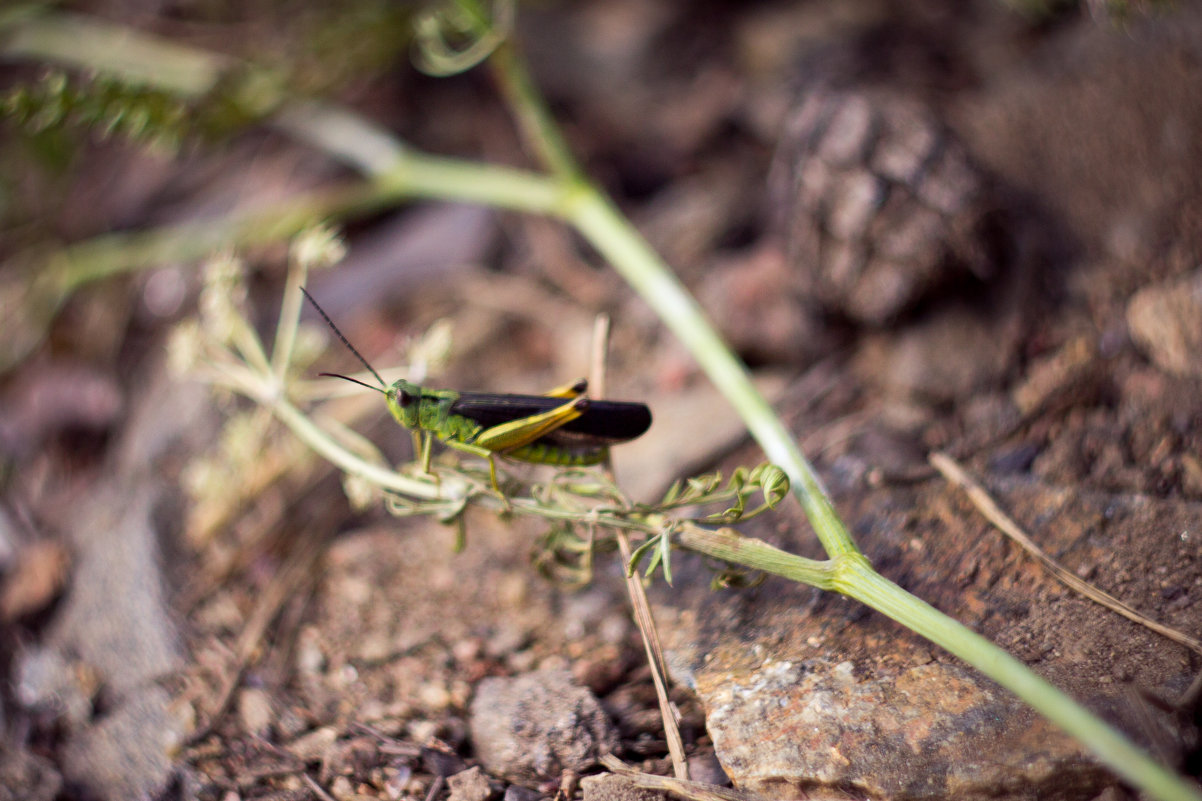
[[928, 227]]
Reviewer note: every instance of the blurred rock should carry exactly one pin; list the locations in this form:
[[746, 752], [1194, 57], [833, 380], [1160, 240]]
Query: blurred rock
[[1165, 320], [1094, 124], [53, 398], [704, 767], [442, 240], [533, 727], [515, 792], [25, 776], [255, 711], [46, 681], [130, 752], [115, 624], [315, 745], [759, 311], [34, 581], [115, 617], [470, 785], [1070, 375], [9, 537], [947, 355]]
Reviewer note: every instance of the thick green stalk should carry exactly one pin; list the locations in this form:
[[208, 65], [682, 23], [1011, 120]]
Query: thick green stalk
[[105, 47], [604, 226]]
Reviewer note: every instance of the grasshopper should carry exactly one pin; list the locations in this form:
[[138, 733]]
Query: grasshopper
[[563, 427]]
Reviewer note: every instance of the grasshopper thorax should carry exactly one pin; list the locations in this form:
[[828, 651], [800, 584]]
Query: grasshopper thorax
[[404, 402]]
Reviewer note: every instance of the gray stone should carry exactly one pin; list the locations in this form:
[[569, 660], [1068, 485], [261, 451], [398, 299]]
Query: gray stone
[[470, 785], [1165, 320], [533, 727]]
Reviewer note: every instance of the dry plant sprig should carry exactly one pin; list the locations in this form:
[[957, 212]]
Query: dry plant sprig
[[225, 351], [578, 503]]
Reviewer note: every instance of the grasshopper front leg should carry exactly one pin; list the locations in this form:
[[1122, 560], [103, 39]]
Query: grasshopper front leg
[[422, 445], [483, 453], [422, 449]]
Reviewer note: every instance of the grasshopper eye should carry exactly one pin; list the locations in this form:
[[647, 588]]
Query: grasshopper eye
[[406, 398]]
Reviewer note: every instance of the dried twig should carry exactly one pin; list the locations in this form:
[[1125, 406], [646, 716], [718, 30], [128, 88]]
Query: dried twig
[[954, 473], [634, 585], [317, 789], [696, 791]]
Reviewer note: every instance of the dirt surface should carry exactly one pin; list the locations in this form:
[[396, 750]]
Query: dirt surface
[[1042, 328]]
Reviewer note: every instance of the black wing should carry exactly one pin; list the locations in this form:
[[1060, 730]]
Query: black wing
[[603, 422]]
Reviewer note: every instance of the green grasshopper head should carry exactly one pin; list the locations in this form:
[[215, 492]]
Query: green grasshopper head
[[404, 399]]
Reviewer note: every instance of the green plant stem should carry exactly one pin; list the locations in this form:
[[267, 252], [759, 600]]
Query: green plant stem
[[50, 278], [730, 546], [384, 477], [116, 253], [605, 228], [595, 216], [414, 175], [245, 340], [419, 175], [92, 43], [289, 320], [537, 126]]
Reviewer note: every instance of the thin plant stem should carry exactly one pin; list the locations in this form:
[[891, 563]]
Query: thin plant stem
[[289, 321], [534, 118], [643, 616]]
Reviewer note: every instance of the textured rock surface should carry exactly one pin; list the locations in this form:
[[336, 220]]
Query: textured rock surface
[[805, 692], [922, 732], [533, 727], [1165, 320], [881, 203]]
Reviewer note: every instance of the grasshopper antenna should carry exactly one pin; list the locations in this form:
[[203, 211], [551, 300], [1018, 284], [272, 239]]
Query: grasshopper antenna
[[352, 380], [349, 346]]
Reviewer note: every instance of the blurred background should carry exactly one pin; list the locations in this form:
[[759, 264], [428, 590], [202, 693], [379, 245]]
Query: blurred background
[[967, 227]]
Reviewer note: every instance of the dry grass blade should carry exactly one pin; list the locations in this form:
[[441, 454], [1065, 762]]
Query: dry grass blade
[[316, 788], [697, 791], [655, 658], [634, 586], [954, 473]]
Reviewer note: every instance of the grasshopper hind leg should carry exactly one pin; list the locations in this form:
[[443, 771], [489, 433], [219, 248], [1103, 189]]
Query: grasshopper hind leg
[[572, 390]]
